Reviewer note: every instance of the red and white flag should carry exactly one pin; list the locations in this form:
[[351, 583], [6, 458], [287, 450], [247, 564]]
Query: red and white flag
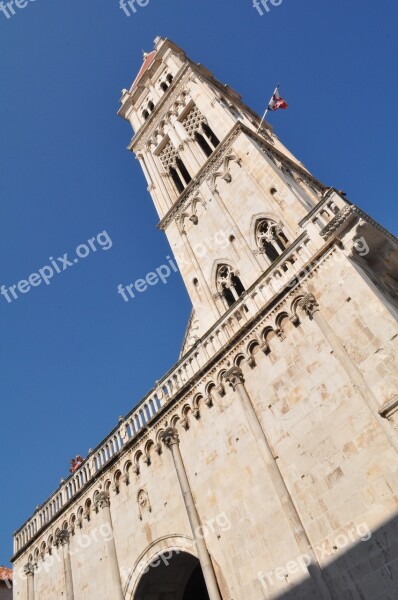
[[277, 102]]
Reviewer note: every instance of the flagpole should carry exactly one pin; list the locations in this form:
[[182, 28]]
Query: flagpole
[[267, 109]]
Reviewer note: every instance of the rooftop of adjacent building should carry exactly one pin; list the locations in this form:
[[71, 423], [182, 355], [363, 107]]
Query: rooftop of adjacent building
[[5, 574]]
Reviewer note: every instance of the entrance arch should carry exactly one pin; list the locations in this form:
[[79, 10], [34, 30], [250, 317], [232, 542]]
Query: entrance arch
[[175, 575]]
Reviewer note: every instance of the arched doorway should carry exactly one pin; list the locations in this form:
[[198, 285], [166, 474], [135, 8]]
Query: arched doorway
[[172, 576]]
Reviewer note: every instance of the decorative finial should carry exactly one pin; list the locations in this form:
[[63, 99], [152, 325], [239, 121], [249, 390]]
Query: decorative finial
[[145, 55]]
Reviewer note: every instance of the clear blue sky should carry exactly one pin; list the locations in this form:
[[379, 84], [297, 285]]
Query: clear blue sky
[[74, 356]]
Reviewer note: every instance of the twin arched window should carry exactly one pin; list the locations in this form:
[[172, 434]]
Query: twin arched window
[[229, 286], [270, 239]]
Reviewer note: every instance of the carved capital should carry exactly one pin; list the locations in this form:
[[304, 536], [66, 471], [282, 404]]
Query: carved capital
[[29, 569], [62, 538], [102, 500], [309, 305], [170, 437], [234, 377]]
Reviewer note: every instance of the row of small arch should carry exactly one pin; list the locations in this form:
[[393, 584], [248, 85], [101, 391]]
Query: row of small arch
[[260, 342]]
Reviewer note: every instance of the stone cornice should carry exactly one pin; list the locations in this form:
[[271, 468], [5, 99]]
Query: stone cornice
[[346, 215]]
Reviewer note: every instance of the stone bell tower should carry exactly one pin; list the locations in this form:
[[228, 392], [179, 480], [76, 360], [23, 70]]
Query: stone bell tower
[[230, 198], [264, 463]]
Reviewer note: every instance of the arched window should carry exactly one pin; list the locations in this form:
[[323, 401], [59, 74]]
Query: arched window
[[198, 130], [151, 105], [229, 285], [175, 167], [164, 86], [270, 238], [169, 77]]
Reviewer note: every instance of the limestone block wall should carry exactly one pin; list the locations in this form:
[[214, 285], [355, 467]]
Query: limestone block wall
[[223, 227], [336, 460]]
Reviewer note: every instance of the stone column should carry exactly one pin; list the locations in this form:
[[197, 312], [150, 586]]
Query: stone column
[[171, 439], [62, 539], [103, 502], [29, 570], [234, 377], [311, 308]]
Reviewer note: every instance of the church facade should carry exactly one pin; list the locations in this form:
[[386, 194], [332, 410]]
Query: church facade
[[264, 464]]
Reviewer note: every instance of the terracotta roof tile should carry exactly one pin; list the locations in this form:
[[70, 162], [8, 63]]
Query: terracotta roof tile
[[147, 61], [5, 574]]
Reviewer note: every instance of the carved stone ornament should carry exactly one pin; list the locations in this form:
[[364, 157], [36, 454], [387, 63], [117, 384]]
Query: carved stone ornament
[[170, 437], [102, 500], [209, 401], [185, 423], [251, 361], [234, 377], [196, 413], [143, 503], [341, 217], [309, 305], [29, 568], [220, 389], [61, 538]]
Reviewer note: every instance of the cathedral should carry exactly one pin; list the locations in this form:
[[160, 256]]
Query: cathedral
[[264, 464]]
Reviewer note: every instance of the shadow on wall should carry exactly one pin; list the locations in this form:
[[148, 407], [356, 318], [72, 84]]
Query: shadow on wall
[[366, 571]]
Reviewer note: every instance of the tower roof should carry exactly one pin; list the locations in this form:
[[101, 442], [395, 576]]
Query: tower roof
[[148, 59], [5, 574]]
